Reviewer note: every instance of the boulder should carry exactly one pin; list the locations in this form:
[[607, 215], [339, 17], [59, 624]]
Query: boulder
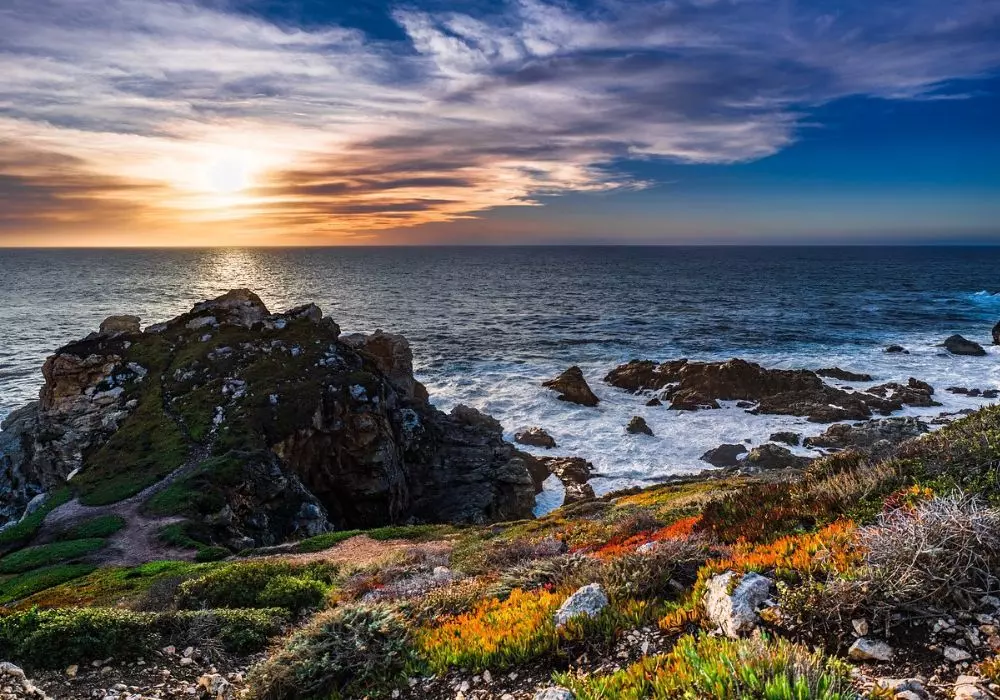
[[536, 437], [914, 393], [770, 456], [572, 387], [787, 437], [874, 435], [957, 345], [654, 402], [645, 375], [724, 455], [575, 493], [996, 333], [120, 324], [587, 601], [733, 608], [843, 375], [638, 425], [896, 349], [864, 649]]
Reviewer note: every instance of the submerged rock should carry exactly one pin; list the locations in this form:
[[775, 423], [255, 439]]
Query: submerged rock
[[724, 455], [638, 425], [996, 333], [957, 345], [843, 375], [272, 423], [572, 387], [896, 349], [535, 437], [787, 437]]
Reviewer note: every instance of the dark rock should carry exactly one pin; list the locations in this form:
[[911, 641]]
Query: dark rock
[[787, 437], [745, 404], [724, 455], [874, 436], [913, 393], [897, 349], [537, 468], [572, 387], [692, 401], [575, 493], [120, 324], [638, 425], [307, 431], [996, 333], [654, 402], [536, 437], [957, 345], [644, 375], [843, 375], [770, 456], [570, 470], [824, 405], [984, 393]]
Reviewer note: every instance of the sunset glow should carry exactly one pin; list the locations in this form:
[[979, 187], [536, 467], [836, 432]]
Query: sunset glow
[[180, 122]]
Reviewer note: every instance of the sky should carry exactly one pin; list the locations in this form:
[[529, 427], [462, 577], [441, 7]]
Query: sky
[[327, 122]]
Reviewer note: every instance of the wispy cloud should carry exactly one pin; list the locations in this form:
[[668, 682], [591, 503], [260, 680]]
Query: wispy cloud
[[154, 114]]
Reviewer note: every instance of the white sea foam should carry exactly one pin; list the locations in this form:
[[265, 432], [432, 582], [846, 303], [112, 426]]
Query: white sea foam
[[512, 393]]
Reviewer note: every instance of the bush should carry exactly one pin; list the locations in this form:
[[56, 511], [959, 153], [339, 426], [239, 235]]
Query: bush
[[347, 652], [724, 669], [258, 584], [46, 554], [56, 638]]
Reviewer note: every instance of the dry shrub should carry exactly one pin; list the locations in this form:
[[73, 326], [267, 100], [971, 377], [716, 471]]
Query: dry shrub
[[564, 571], [651, 574], [940, 550]]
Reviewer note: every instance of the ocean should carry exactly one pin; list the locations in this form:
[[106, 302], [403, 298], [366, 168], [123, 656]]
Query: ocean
[[487, 325]]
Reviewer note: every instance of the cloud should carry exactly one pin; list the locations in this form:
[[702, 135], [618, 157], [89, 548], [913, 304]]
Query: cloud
[[185, 114]]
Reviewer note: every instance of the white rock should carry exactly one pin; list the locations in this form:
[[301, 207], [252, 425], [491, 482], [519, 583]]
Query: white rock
[[954, 654], [587, 601], [860, 626], [736, 613], [554, 693], [870, 650], [215, 687], [967, 688]]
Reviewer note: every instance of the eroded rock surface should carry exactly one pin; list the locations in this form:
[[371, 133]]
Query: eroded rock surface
[[272, 424]]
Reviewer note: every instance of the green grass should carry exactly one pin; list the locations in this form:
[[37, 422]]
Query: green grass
[[48, 554], [26, 528], [179, 535], [203, 491], [26, 584], [101, 526]]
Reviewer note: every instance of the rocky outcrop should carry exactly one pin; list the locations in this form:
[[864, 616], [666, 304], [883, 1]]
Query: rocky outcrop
[[996, 333], [724, 455], [873, 436], [637, 425], [119, 324], [573, 472], [692, 386], [572, 387], [843, 375], [913, 393], [535, 437], [769, 457], [964, 391], [787, 437], [957, 345], [277, 425]]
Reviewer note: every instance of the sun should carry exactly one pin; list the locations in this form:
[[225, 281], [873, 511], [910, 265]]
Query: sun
[[229, 173]]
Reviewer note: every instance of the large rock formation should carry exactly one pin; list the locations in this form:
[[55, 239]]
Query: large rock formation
[[874, 435], [572, 387], [697, 385], [958, 345], [274, 424]]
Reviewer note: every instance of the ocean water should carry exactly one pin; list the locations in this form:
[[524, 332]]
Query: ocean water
[[487, 325]]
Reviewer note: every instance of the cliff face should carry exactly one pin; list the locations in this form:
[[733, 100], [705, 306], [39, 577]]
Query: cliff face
[[256, 427]]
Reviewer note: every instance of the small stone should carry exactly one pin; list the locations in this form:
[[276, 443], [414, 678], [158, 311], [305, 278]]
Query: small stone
[[954, 654], [554, 693], [860, 626], [186, 661], [870, 650], [587, 601], [71, 671], [169, 651], [188, 653]]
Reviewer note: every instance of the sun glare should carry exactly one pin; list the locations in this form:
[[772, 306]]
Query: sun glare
[[229, 173]]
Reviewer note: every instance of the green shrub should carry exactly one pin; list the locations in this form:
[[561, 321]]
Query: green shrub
[[326, 540], [346, 652], [31, 582], [27, 527], [101, 526], [56, 638], [47, 554], [258, 584], [724, 669]]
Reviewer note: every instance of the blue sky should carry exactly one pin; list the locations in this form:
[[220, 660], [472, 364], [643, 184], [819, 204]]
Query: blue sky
[[138, 122]]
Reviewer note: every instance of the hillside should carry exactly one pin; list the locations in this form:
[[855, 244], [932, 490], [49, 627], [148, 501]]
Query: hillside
[[872, 572]]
